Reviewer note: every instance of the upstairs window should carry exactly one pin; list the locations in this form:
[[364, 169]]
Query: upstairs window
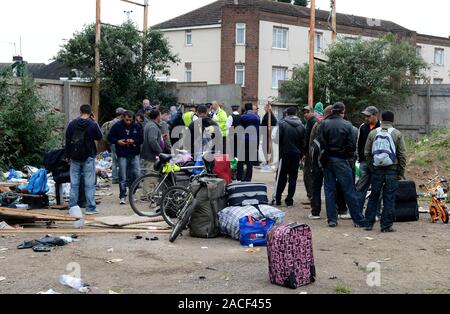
[[188, 38], [280, 35], [240, 34], [439, 56]]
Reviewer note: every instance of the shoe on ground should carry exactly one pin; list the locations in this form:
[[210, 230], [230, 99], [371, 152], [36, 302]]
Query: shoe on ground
[[92, 212], [332, 224], [312, 217], [368, 228], [388, 230], [122, 201], [377, 218], [345, 217]]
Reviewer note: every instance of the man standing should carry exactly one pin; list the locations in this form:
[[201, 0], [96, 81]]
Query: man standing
[[372, 123], [266, 137], [316, 168], [311, 120], [385, 153], [220, 117], [189, 115], [81, 135], [248, 145], [234, 120], [292, 149], [336, 137], [164, 124], [127, 136], [105, 130], [145, 104], [151, 147]]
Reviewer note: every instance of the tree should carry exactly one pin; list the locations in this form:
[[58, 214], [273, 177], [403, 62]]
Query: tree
[[127, 74], [29, 126], [365, 72]]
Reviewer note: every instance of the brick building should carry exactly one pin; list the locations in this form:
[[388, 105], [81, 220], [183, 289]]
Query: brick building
[[257, 43]]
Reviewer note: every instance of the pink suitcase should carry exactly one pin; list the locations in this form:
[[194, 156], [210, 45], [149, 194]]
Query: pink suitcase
[[290, 252]]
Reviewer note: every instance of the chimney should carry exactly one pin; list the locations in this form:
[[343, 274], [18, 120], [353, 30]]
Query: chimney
[[17, 58]]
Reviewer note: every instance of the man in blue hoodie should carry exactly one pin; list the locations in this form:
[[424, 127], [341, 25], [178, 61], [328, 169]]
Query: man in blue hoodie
[[127, 136], [81, 135]]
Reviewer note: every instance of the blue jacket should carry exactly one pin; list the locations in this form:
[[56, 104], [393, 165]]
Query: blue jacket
[[250, 119], [119, 131], [94, 133]]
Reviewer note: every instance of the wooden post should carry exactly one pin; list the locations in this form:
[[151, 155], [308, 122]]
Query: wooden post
[[312, 35], [269, 133], [145, 16], [333, 20], [96, 98]]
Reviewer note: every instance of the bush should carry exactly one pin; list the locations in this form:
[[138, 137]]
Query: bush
[[28, 124]]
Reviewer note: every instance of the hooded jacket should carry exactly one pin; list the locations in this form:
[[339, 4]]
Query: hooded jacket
[[120, 131], [93, 134], [151, 147], [292, 137]]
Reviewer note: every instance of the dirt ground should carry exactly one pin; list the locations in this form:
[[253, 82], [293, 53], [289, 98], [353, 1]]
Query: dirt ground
[[413, 260]]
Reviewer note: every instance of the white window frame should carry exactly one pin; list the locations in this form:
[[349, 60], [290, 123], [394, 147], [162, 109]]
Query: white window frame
[[188, 72], [419, 50], [441, 63], [318, 42], [277, 43], [188, 34], [239, 67], [275, 71], [241, 27]]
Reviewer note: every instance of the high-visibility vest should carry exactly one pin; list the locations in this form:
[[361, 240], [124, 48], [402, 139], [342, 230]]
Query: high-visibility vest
[[187, 118]]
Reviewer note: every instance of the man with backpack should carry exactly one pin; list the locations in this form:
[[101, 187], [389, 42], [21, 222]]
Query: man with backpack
[[339, 144], [81, 135], [385, 153], [127, 136], [292, 149]]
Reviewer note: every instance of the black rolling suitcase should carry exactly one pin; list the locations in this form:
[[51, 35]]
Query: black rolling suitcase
[[406, 205], [240, 192]]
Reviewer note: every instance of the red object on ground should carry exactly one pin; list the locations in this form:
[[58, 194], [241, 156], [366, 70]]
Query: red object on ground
[[222, 168]]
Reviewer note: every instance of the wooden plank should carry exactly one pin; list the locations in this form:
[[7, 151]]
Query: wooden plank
[[81, 231], [10, 184], [21, 214]]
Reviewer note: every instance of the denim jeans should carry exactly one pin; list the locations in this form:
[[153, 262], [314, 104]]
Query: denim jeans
[[340, 170], [87, 170], [382, 181], [129, 170], [363, 185], [115, 165]]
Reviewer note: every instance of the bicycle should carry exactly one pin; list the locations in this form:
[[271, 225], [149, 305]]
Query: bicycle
[[178, 203], [437, 208], [147, 191]]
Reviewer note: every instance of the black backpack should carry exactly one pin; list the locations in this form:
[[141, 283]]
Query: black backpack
[[79, 148]]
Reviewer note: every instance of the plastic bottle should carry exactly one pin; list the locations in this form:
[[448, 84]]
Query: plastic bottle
[[76, 212], [72, 282]]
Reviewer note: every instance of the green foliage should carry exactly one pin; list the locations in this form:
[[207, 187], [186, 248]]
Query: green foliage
[[360, 73], [28, 124], [127, 71], [342, 289]]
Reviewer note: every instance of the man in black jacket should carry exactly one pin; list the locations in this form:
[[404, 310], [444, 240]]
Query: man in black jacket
[[292, 148], [336, 137], [372, 123], [311, 120], [265, 130], [128, 137], [81, 135]]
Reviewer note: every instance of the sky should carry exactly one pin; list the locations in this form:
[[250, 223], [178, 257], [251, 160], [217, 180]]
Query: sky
[[43, 25]]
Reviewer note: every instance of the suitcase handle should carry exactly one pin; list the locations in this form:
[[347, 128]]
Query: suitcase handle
[[296, 225]]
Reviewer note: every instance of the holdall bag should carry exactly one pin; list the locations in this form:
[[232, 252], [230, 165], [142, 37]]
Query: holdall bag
[[253, 230], [290, 255], [406, 191], [241, 192], [210, 200], [229, 218]]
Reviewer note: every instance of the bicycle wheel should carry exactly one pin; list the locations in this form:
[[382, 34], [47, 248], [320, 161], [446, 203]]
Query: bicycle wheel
[[146, 194], [185, 216], [444, 215], [172, 202]]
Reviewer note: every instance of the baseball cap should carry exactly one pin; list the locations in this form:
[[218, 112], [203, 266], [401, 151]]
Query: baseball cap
[[370, 111], [338, 107], [306, 108], [148, 108], [120, 110]]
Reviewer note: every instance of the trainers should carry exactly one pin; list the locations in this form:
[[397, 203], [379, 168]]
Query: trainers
[[332, 224], [91, 212], [345, 217], [313, 217], [122, 201], [368, 228], [377, 218], [388, 230]]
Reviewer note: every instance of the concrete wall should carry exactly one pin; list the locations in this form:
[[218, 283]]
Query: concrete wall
[[422, 113], [203, 54]]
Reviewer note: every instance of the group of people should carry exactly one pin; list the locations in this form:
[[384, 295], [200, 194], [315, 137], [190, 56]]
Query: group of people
[[330, 146]]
